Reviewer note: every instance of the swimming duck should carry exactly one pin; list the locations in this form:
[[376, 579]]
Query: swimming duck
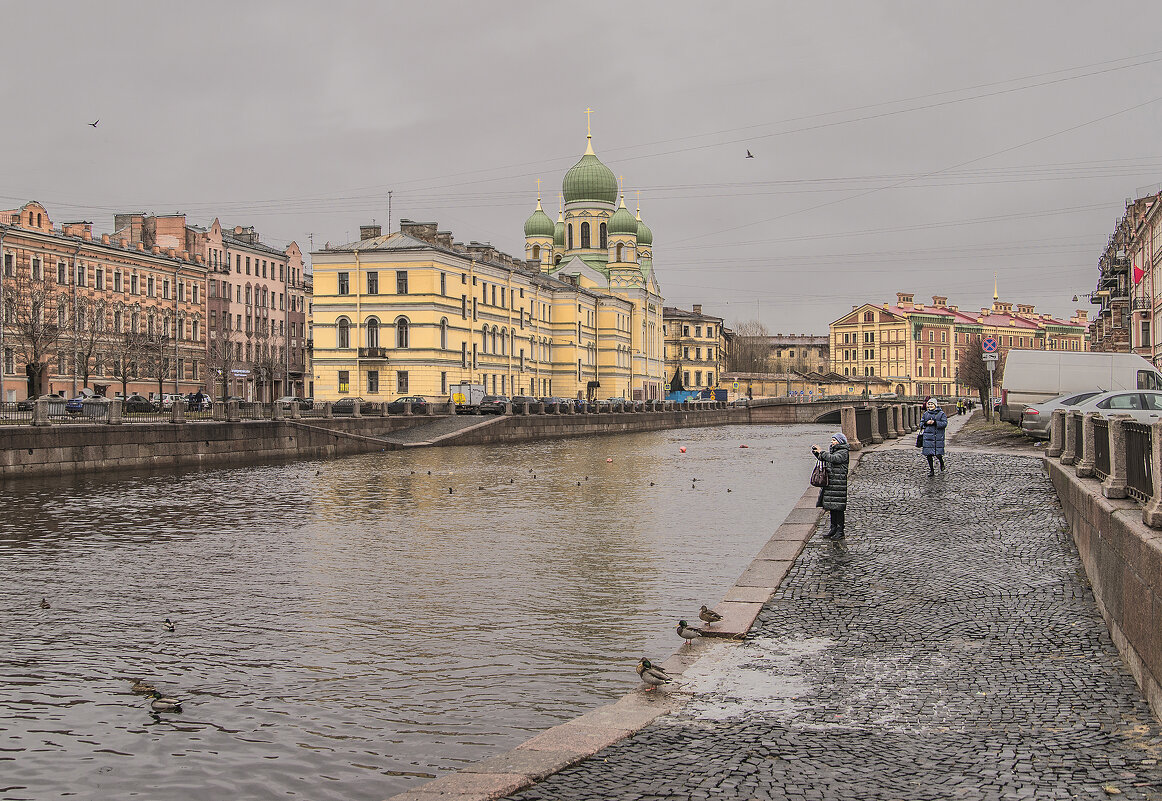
[[709, 615], [141, 688], [685, 632], [169, 625], [44, 604], [652, 675], [162, 704]]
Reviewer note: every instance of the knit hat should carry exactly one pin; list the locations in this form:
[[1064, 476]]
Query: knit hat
[[931, 403], [842, 440]]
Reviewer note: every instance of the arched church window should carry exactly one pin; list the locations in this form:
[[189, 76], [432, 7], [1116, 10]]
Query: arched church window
[[604, 240], [584, 235], [570, 236], [536, 252], [619, 251]]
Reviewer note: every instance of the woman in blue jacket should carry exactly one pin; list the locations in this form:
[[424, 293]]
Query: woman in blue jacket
[[933, 423]]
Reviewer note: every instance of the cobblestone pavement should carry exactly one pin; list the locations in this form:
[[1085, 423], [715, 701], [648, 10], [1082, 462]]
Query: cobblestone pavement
[[951, 650]]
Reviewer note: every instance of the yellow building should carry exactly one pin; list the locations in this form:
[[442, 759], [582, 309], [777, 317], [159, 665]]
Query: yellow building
[[917, 347], [414, 312], [695, 348]]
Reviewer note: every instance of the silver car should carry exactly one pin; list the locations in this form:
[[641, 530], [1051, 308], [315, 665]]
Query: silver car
[[1035, 418], [1143, 405]]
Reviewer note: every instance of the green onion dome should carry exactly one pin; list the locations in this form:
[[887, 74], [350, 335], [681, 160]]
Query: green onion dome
[[559, 233], [644, 235], [622, 223], [539, 223], [589, 179]]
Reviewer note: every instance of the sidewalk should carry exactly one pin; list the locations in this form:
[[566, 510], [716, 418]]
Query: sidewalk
[[949, 649]]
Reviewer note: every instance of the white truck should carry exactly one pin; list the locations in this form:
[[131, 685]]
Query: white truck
[[1035, 376], [467, 397]]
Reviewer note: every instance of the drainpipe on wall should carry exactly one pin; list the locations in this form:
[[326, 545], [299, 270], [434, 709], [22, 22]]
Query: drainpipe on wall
[[76, 352], [3, 322], [176, 338]]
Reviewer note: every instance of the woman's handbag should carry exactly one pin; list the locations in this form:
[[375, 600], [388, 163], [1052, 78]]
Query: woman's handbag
[[920, 440], [819, 475]]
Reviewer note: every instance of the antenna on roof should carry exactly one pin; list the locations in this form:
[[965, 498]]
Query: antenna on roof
[[389, 211]]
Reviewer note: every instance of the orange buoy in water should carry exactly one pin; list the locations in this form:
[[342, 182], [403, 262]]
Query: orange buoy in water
[[610, 459], [681, 450], [744, 446]]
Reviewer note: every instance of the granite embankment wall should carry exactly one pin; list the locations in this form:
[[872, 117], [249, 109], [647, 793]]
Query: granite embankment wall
[[1123, 561], [83, 448], [516, 428]]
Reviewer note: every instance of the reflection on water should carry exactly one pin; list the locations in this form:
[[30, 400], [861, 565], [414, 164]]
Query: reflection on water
[[347, 628]]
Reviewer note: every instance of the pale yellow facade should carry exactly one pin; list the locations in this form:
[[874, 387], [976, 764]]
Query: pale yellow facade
[[695, 348]]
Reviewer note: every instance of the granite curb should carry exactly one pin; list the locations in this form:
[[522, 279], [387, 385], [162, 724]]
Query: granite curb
[[571, 742]]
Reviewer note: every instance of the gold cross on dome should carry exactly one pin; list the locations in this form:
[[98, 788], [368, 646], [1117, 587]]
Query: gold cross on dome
[[639, 200], [538, 189], [588, 129]]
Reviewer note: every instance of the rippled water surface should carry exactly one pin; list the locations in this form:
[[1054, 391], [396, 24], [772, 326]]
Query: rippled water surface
[[347, 629]]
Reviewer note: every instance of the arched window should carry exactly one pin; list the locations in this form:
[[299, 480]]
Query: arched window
[[570, 236], [373, 333], [557, 260], [503, 341], [536, 252], [38, 219], [584, 235], [604, 241], [618, 251], [484, 339], [443, 333], [401, 332], [494, 350], [344, 337]]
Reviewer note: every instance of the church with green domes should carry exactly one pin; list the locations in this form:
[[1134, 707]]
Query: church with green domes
[[600, 245]]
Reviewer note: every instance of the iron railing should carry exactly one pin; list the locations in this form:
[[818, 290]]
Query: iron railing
[[1101, 448], [863, 424], [1073, 420], [16, 413], [1139, 474]]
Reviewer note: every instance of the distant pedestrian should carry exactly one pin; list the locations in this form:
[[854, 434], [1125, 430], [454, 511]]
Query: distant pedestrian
[[933, 423], [833, 497]]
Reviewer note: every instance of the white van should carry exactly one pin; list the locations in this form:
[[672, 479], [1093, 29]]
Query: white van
[[1035, 376]]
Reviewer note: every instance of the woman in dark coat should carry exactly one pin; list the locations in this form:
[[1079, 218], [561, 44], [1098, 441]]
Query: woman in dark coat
[[933, 423], [833, 497]]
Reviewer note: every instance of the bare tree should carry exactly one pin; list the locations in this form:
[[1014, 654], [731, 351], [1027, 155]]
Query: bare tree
[[750, 352], [224, 356], [125, 349], [268, 361], [31, 312], [974, 373], [157, 350], [89, 330]]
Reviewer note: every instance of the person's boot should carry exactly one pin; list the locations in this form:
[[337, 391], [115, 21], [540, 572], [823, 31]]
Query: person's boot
[[830, 535], [942, 466], [838, 533]]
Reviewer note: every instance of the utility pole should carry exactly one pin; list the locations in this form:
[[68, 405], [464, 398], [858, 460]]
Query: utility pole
[[389, 211]]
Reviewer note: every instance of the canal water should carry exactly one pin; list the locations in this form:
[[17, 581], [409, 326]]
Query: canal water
[[347, 629]]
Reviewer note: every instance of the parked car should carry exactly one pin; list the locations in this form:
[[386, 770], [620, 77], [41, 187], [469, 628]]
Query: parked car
[[1035, 376], [492, 404], [740, 402], [287, 400], [1035, 419], [347, 405], [553, 403], [419, 404], [235, 399], [1144, 406], [523, 399], [140, 404]]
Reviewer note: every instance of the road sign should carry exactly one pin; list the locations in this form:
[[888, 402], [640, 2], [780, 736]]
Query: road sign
[[991, 357], [989, 345]]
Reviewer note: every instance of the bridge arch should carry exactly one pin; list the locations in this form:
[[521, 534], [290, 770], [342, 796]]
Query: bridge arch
[[829, 417]]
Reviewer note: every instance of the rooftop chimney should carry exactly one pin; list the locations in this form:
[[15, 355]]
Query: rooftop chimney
[[370, 231], [697, 308], [904, 299]]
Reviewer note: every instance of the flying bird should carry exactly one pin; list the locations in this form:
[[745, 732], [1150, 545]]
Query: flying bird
[[94, 125], [749, 155]]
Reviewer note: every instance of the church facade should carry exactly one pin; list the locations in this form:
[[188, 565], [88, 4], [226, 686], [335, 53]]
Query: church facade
[[415, 312]]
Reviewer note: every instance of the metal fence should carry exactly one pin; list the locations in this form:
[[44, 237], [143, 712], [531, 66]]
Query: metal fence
[[16, 413], [1101, 448], [1073, 420], [863, 425], [1139, 474], [142, 413], [90, 411]]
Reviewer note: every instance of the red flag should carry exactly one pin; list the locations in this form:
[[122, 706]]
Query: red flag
[[1139, 273]]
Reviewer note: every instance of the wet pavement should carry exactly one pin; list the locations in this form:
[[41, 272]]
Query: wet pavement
[[950, 649]]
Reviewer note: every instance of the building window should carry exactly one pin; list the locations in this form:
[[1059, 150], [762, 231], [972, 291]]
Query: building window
[[603, 233], [344, 381], [8, 265], [373, 333], [584, 235], [372, 382], [373, 283], [618, 247], [463, 355], [401, 334], [443, 284], [464, 307], [150, 286], [401, 382], [443, 383], [344, 283], [709, 379], [570, 236], [61, 273], [443, 333], [344, 338], [401, 282], [248, 265], [686, 377]]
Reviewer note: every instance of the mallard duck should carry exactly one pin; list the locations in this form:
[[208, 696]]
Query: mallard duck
[[162, 704], [141, 688], [169, 625], [44, 604], [685, 632], [709, 615], [652, 675]]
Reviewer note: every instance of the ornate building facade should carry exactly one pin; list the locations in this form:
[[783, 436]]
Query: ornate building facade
[[414, 312]]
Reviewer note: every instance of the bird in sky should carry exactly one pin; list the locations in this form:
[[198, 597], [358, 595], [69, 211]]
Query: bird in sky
[[94, 125], [749, 155]]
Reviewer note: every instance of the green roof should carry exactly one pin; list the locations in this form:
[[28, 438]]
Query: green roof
[[622, 223], [539, 224], [644, 235], [589, 179]]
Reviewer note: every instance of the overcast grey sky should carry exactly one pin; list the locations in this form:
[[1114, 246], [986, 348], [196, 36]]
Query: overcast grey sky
[[899, 146]]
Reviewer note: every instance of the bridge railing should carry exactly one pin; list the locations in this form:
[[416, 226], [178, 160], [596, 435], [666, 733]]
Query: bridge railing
[[1125, 456], [863, 424]]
